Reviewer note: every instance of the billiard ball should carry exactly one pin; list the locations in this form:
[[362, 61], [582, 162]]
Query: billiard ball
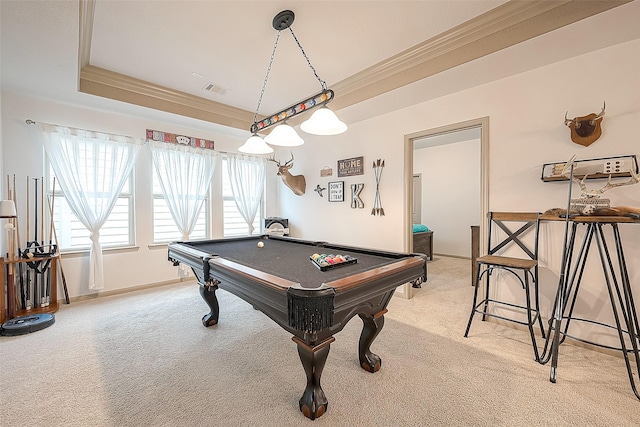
[[260, 244]]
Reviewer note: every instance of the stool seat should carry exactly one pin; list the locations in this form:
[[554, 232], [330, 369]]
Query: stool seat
[[504, 261]]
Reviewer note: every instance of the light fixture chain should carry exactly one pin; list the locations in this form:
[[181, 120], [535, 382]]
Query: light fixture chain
[[266, 77], [322, 82]]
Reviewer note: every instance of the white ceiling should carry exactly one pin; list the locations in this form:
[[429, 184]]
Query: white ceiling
[[229, 43]]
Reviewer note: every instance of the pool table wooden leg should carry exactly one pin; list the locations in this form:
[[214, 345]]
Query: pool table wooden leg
[[208, 293], [313, 403], [372, 326]]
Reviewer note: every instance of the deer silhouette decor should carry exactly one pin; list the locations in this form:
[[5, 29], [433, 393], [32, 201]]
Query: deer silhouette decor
[[296, 183]]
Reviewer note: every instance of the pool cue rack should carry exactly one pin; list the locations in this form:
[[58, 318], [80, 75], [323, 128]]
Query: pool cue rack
[[16, 298], [30, 275]]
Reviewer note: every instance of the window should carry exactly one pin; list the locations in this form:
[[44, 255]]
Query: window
[[234, 224], [164, 227], [72, 235]]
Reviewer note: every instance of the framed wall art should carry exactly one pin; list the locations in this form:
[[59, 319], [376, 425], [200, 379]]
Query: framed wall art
[[356, 201], [172, 138], [351, 167], [336, 191]]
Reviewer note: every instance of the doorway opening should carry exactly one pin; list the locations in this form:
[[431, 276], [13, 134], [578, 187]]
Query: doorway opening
[[447, 179]]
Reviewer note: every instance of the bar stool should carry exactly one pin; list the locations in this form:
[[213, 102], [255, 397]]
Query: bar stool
[[525, 268]]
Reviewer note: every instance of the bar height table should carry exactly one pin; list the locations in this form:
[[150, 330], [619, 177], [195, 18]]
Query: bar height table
[[616, 278]]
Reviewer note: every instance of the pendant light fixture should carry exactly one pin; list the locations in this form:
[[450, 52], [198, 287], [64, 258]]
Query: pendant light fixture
[[284, 135], [255, 145], [322, 122]]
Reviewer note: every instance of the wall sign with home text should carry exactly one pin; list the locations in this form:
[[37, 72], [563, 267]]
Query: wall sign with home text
[[351, 167]]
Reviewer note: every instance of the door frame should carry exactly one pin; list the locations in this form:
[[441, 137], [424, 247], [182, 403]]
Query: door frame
[[483, 124]]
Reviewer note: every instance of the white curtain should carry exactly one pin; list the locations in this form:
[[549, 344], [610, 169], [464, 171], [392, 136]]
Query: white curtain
[[185, 174], [246, 175], [91, 168]]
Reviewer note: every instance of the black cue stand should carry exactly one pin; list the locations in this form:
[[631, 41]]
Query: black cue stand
[[14, 319]]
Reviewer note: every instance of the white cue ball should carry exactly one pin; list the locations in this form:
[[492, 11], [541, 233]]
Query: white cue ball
[[260, 244]]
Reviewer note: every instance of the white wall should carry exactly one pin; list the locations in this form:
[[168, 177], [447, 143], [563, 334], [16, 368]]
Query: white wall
[[315, 218], [124, 268], [526, 114], [450, 194]]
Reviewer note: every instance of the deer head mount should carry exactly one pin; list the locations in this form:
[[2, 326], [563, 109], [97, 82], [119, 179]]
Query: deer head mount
[[296, 183], [585, 130]]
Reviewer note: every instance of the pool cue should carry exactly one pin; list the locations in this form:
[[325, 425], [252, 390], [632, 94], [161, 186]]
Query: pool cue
[[55, 237], [26, 251], [11, 285], [28, 219], [50, 204], [42, 211], [35, 211], [36, 289], [28, 289], [43, 283], [20, 275], [23, 297], [30, 295], [45, 294]]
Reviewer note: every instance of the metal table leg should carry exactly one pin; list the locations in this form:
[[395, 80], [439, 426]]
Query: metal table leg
[[620, 296]]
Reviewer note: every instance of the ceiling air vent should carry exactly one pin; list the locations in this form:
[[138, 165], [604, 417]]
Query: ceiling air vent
[[212, 87]]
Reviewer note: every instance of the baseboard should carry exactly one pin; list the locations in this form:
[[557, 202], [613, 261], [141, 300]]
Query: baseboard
[[452, 256], [568, 340], [126, 290]]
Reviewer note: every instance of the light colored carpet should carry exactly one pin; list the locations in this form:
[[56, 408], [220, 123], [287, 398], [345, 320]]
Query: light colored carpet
[[144, 359]]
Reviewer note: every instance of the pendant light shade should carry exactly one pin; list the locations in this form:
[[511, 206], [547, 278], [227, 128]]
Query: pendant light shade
[[323, 122], [284, 136], [255, 145]]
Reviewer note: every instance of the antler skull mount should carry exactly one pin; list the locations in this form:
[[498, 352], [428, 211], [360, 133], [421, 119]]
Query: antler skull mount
[[585, 130], [590, 198]]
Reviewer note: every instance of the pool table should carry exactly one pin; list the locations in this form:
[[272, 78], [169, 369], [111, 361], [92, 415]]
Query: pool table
[[278, 278]]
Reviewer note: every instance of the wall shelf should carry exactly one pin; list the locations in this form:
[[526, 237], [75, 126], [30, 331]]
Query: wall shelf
[[598, 168]]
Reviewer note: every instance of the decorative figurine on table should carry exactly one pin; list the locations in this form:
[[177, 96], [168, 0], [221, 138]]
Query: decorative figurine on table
[[590, 203]]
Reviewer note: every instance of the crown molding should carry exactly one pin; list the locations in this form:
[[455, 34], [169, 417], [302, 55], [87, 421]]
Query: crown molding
[[87, 11], [499, 28], [109, 84]]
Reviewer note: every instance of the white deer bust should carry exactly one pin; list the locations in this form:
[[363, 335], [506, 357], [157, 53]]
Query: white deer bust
[[296, 183]]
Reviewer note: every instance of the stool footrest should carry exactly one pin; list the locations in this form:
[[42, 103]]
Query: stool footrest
[[534, 318]]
